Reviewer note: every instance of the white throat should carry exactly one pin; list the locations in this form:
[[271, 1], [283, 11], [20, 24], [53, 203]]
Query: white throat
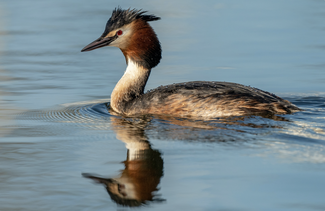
[[130, 85], [131, 75], [133, 69]]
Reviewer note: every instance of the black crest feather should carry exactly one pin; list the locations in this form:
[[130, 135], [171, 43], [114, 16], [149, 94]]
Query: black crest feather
[[122, 17]]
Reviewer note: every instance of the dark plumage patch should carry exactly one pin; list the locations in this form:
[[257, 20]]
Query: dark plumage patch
[[122, 17]]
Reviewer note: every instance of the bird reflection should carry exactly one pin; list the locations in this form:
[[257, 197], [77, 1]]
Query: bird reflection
[[137, 184]]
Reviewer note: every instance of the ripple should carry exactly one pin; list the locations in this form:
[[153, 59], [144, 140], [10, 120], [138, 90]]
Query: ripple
[[89, 113], [306, 126], [67, 121]]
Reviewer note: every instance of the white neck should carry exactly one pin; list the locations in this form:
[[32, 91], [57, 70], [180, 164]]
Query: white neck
[[133, 70], [130, 86]]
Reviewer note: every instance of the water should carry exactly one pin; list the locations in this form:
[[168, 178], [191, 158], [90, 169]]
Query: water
[[57, 137]]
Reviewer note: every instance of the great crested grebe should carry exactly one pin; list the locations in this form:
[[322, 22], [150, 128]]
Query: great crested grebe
[[129, 30]]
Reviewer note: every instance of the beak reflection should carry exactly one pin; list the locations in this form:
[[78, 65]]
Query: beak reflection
[[138, 182]]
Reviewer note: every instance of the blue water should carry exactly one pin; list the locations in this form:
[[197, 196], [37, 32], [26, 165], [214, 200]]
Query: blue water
[[55, 126]]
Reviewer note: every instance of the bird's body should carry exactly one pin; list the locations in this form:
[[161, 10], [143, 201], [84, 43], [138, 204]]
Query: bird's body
[[208, 100], [129, 31]]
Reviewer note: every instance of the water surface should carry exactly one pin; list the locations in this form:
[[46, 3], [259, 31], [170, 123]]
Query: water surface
[[56, 131]]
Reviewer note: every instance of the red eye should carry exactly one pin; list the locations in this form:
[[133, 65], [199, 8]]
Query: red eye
[[119, 32]]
